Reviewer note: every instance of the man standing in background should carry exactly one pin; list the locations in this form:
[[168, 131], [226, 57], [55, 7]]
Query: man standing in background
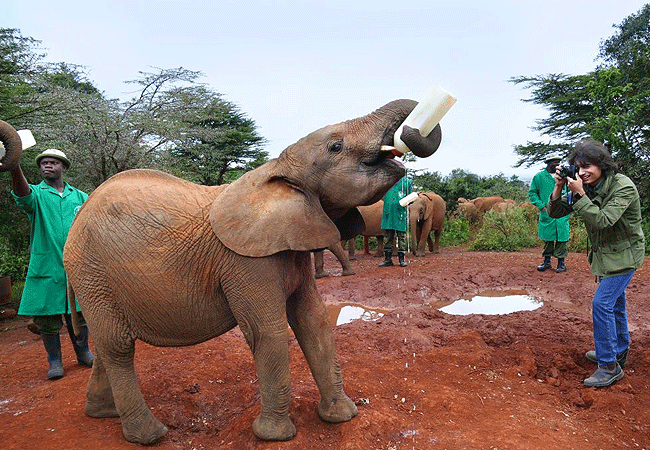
[[554, 232], [394, 221], [51, 206]]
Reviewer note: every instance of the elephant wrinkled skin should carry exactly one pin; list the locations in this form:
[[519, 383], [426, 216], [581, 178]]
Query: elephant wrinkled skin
[[171, 263]]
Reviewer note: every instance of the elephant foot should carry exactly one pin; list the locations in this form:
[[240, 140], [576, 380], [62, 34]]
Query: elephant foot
[[100, 409], [348, 272], [274, 430], [144, 432], [334, 410], [352, 257], [322, 274], [100, 403]]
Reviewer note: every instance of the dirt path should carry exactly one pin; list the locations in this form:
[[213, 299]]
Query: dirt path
[[422, 379]]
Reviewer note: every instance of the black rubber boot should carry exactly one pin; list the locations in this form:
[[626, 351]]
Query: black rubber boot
[[52, 344], [80, 345], [388, 259], [402, 262], [545, 265], [561, 267]]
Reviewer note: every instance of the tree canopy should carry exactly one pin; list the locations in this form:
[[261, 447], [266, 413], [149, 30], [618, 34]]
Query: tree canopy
[[610, 104], [173, 122]]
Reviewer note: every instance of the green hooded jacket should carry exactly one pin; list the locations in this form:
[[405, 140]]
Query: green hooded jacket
[[394, 216], [550, 229], [612, 216], [50, 215]]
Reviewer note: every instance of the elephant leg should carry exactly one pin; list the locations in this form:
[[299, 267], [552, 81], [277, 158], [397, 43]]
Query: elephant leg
[[319, 264], [115, 347], [265, 330], [99, 395], [337, 249], [351, 250], [421, 239], [380, 246], [366, 245], [311, 325], [436, 244]]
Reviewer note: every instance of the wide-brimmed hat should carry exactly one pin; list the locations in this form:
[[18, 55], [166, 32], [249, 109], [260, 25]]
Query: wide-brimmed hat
[[553, 157], [53, 153]]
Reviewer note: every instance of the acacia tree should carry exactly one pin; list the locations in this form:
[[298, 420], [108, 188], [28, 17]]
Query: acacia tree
[[169, 111], [219, 142], [610, 104]]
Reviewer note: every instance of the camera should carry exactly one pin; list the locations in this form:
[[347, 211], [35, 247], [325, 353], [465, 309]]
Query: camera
[[568, 171]]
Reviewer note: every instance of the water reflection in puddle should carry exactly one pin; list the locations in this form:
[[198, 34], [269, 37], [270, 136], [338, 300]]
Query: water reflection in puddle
[[487, 302], [347, 312], [493, 302]]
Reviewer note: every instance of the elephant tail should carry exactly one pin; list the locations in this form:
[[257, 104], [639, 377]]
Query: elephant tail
[[74, 315]]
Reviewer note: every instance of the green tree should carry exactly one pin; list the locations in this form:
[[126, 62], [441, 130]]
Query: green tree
[[19, 62], [102, 137], [610, 104], [220, 142]]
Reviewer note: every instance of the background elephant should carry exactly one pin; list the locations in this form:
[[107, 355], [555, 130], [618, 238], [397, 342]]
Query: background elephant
[[484, 204], [371, 215], [172, 263], [426, 214], [505, 205], [467, 209], [337, 250]]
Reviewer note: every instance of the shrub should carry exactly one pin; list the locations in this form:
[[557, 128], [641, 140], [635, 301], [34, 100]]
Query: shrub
[[505, 231], [455, 231], [13, 264], [577, 234], [16, 293]]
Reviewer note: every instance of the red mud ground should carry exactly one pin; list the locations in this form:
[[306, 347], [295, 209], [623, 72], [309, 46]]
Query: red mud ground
[[422, 379]]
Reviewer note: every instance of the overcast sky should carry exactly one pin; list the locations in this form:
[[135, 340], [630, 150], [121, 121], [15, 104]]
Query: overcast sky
[[295, 66]]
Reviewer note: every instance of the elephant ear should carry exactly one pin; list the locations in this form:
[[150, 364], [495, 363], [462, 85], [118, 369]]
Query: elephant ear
[[261, 214]]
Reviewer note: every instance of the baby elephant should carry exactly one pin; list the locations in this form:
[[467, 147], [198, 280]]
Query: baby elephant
[[238, 255]]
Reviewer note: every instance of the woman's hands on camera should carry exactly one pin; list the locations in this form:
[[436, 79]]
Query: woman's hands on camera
[[573, 184]]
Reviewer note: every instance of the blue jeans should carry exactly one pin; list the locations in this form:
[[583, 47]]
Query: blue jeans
[[611, 336]]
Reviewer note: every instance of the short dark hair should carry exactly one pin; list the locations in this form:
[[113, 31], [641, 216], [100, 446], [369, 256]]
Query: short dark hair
[[591, 151]]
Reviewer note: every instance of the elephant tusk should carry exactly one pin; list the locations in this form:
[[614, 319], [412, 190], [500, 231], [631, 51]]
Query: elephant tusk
[[390, 149]]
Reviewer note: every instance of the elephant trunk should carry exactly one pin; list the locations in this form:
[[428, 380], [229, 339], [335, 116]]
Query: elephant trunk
[[11, 149], [392, 115], [413, 219], [389, 117]]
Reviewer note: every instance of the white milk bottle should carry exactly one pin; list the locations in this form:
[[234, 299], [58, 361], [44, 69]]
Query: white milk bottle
[[426, 115]]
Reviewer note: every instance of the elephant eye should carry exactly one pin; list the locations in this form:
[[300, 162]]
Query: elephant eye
[[336, 147]]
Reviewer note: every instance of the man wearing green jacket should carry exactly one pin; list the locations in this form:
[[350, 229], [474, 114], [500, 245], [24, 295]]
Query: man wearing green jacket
[[393, 221], [51, 207], [554, 232], [609, 205]]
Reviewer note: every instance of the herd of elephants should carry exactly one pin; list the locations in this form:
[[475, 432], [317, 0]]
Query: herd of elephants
[[426, 216], [238, 255]]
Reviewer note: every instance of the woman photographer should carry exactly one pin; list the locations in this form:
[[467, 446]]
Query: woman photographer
[[608, 203]]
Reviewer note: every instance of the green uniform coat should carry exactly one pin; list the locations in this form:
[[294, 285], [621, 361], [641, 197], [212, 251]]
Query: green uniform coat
[[394, 216], [612, 216], [50, 216], [550, 229]]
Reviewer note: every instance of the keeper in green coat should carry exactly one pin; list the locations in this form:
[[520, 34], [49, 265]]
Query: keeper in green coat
[[554, 232], [51, 207], [394, 221]]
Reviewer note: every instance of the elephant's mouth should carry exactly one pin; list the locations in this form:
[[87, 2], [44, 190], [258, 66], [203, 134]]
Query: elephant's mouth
[[385, 152]]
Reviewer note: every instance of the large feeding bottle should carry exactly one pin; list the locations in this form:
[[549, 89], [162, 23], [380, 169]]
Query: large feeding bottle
[[426, 115]]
